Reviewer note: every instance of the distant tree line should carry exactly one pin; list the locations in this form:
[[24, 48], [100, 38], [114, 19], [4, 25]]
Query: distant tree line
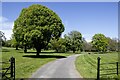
[[72, 41]]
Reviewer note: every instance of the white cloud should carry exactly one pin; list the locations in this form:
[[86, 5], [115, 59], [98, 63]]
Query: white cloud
[[6, 26]]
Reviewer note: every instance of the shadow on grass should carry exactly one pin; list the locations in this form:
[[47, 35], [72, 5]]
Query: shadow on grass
[[5, 50], [42, 52], [44, 56]]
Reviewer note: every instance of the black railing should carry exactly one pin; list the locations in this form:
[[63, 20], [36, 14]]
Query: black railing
[[108, 69], [8, 73]]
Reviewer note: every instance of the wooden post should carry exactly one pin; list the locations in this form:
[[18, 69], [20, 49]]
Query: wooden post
[[98, 68], [117, 67], [12, 60]]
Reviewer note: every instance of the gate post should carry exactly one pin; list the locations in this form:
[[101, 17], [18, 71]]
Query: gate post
[[98, 68], [12, 60], [117, 67]]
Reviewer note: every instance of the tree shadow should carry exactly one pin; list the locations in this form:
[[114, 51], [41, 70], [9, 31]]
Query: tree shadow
[[44, 56], [43, 52], [5, 50]]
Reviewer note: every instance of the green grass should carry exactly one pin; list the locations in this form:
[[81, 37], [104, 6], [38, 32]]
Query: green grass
[[28, 63], [86, 64]]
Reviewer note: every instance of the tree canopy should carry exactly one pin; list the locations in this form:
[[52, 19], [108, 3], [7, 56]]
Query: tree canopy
[[58, 44], [36, 25], [74, 41], [100, 42]]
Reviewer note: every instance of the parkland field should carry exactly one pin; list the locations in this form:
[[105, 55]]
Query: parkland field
[[86, 65]]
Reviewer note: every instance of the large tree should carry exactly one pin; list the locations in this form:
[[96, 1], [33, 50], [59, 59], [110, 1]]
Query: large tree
[[74, 41], [100, 42], [36, 25]]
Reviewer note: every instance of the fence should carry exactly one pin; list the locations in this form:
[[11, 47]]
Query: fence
[[99, 68], [8, 73]]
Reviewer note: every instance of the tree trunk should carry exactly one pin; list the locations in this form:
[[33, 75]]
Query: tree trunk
[[38, 51], [73, 51], [56, 50], [25, 49], [16, 47]]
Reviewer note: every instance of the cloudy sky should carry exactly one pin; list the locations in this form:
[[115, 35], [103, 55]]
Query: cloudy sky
[[88, 18]]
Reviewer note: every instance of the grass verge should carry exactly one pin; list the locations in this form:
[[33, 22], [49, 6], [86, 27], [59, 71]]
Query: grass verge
[[27, 63], [86, 64]]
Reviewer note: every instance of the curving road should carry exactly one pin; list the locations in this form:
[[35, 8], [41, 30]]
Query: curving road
[[60, 68]]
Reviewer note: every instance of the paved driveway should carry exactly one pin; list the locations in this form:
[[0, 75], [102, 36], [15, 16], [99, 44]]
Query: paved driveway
[[60, 68]]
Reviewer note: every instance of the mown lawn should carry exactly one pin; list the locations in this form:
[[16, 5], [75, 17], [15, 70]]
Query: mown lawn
[[28, 63], [86, 64]]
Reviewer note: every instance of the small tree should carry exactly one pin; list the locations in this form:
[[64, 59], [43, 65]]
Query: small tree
[[87, 46], [112, 44], [100, 42], [74, 41], [58, 45], [2, 38]]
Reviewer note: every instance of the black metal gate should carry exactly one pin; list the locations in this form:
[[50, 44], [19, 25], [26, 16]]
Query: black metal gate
[[8, 73], [116, 69]]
